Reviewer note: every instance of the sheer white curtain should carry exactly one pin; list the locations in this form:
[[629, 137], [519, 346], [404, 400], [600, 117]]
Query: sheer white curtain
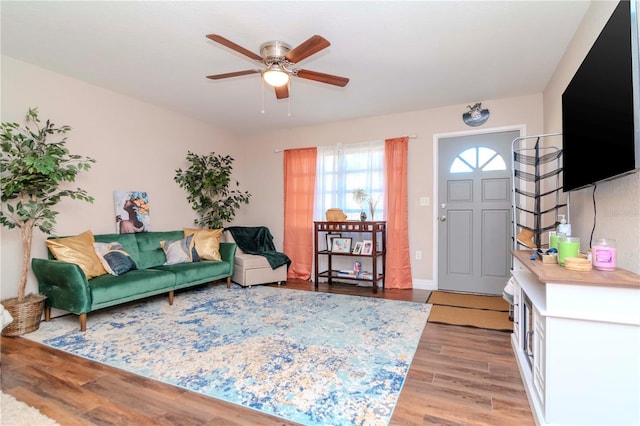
[[341, 169]]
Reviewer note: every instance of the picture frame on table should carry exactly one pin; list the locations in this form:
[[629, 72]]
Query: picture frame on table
[[367, 248], [341, 245], [331, 237], [357, 248]]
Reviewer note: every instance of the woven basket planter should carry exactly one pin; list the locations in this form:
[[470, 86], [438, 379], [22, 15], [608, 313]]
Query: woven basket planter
[[26, 314], [335, 215]]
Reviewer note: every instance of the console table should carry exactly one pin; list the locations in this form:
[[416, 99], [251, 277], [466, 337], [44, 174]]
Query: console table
[[576, 338], [375, 231]]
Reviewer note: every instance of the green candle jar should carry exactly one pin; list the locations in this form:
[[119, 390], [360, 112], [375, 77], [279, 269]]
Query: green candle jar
[[568, 247]]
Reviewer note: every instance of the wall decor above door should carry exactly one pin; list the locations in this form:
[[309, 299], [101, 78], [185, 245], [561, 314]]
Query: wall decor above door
[[476, 116]]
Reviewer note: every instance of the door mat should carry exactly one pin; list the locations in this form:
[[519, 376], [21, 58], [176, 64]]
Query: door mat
[[466, 300], [470, 310]]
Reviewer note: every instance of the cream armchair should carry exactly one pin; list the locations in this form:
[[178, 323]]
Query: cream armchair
[[253, 269]]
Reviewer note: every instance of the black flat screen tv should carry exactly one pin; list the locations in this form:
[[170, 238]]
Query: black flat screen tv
[[601, 106]]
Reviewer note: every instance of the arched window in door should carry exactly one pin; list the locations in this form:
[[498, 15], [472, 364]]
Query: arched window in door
[[480, 157]]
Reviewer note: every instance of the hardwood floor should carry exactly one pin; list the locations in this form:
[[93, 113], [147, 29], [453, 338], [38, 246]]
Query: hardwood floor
[[459, 376]]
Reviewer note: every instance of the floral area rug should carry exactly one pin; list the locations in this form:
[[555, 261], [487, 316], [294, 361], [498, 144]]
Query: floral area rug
[[307, 357]]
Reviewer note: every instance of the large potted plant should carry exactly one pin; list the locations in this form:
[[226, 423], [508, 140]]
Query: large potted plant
[[33, 171], [208, 183]]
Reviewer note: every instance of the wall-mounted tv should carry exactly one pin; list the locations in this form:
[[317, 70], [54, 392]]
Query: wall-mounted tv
[[601, 106]]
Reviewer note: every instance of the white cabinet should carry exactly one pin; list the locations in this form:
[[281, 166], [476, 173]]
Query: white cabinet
[[516, 312], [577, 342], [539, 355]]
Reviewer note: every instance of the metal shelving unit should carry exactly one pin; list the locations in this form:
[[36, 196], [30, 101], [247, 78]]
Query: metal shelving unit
[[536, 188]]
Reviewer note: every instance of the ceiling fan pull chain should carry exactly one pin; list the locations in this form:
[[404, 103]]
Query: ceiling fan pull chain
[[289, 99], [262, 92]]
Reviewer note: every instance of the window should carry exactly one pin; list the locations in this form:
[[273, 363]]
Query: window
[[344, 168], [483, 158]]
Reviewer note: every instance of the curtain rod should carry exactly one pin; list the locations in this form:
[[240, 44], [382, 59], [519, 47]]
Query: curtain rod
[[279, 150]]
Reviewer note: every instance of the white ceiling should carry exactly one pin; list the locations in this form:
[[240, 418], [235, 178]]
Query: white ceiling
[[399, 55]]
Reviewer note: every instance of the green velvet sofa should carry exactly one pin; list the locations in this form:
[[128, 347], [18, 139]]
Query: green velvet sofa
[[67, 288]]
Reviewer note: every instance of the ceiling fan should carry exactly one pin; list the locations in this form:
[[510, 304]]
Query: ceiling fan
[[279, 59]]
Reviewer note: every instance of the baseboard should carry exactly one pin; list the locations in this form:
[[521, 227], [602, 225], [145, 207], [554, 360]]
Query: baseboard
[[424, 285]]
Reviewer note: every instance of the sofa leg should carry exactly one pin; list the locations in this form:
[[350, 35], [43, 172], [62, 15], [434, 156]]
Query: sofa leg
[[47, 313], [228, 282], [83, 322], [171, 293]]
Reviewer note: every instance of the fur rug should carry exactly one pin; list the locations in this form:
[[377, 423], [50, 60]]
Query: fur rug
[[17, 413]]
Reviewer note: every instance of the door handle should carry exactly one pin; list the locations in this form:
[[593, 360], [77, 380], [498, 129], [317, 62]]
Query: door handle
[[442, 218]]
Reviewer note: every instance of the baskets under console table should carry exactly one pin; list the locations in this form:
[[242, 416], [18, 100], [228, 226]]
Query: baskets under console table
[[374, 231]]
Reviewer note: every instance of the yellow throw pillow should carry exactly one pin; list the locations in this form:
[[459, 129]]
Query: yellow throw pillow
[[207, 242], [78, 250]]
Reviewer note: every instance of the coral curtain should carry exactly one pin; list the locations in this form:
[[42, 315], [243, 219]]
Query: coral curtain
[[299, 186], [398, 263]]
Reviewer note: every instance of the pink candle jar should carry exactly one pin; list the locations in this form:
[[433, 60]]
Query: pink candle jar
[[603, 254]]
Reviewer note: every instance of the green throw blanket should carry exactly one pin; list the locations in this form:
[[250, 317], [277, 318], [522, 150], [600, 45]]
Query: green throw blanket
[[258, 240]]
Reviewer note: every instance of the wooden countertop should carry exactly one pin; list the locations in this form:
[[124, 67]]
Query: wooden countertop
[[552, 272]]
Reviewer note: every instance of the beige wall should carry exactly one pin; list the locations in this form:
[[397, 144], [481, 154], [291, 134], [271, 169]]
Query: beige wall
[[263, 171], [138, 146], [617, 202]]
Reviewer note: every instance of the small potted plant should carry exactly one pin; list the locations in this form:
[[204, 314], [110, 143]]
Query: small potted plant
[[33, 171], [207, 182], [360, 197]]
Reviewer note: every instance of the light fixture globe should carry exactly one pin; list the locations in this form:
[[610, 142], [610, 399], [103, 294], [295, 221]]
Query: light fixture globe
[[275, 76]]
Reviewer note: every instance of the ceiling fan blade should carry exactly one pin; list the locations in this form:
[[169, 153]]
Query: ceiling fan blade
[[231, 45], [282, 92], [232, 74], [323, 78], [313, 45]]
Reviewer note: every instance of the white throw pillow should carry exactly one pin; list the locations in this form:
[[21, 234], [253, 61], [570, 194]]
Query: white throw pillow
[[178, 251]]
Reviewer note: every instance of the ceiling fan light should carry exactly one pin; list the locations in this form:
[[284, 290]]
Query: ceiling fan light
[[275, 77]]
